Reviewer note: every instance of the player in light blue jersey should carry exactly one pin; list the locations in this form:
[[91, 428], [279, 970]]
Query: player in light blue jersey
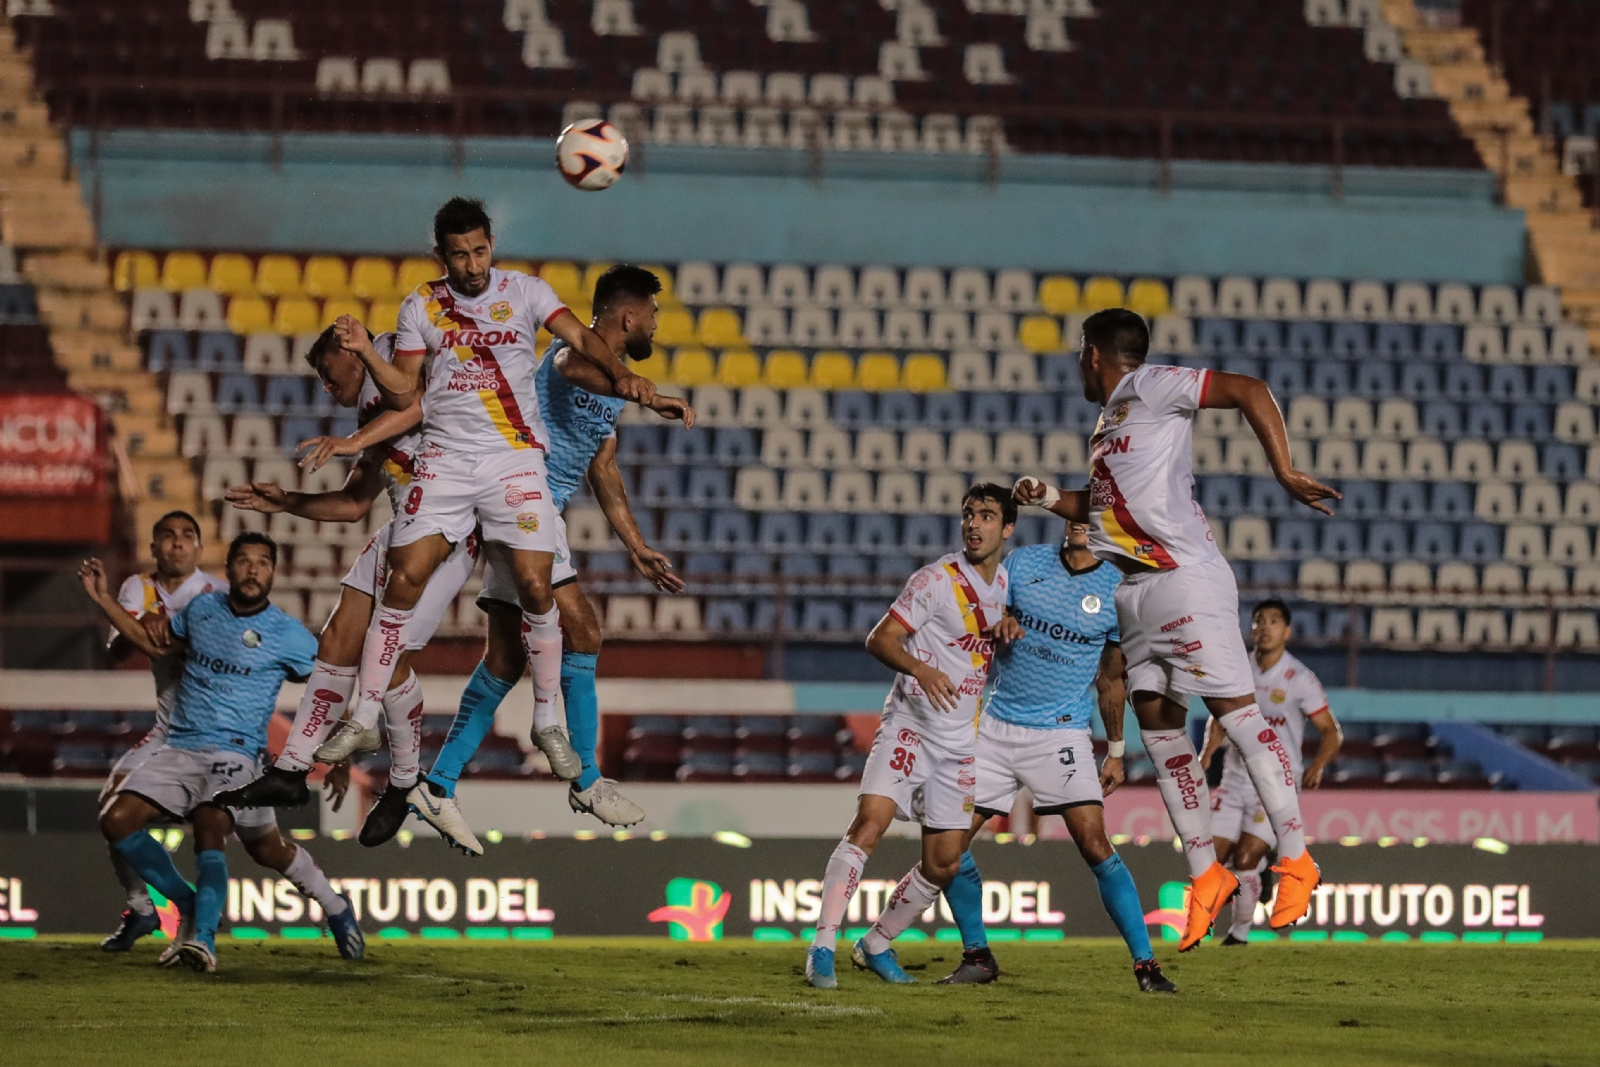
[[239, 649], [1034, 732], [580, 410]]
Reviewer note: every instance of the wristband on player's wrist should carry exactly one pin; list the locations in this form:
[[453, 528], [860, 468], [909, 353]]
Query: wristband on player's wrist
[[1115, 749]]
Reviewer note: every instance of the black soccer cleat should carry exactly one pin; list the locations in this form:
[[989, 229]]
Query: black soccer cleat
[[274, 789], [386, 817], [978, 967], [133, 927], [1231, 940], [1150, 979]]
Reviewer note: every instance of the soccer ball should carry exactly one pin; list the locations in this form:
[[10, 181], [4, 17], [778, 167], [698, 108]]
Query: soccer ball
[[591, 154]]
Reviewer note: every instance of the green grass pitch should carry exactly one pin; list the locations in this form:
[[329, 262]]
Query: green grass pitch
[[623, 1003]]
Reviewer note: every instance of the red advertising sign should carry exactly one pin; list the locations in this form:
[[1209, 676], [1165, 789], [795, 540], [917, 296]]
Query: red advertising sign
[[51, 444]]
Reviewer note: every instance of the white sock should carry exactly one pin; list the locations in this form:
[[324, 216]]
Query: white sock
[[321, 706], [909, 900], [1244, 905], [541, 636], [386, 640], [309, 879], [1272, 771], [133, 885], [1183, 788], [402, 715], [838, 886]]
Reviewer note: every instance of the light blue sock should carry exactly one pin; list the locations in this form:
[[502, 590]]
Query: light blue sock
[[210, 894], [1121, 899], [583, 711], [964, 894], [474, 716], [156, 868]]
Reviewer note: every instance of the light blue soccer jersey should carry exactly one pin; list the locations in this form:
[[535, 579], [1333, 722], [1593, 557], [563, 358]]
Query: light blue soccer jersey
[[579, 423], [1046, 680], [235, 668]]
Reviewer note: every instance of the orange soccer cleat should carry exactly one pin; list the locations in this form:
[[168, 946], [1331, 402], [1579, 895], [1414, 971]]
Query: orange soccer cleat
[[1208, 894], [1299, 878]]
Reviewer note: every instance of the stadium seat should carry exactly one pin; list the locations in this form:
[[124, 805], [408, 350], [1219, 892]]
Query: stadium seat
[[738, 367], [833, 370], [295, 315], [249, 314], [878, 371], [1059, 294], [135, 270], [181, 271], [924, 373], [786, 369]]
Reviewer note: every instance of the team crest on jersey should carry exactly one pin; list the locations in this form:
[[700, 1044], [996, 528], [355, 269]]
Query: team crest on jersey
[[251, 639], [1279, 696], [1119, 414], [528, 522], [500, 310], [1091, 604]]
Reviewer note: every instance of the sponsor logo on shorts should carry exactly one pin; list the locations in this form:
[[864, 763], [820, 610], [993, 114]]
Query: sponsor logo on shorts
[[967, 804], [1185, 648], [500, 310], [1091, 604], [251, 639], [1175, 623], [910, 737], [528, 522], [1196, 670], [966, 780], [516, 496]]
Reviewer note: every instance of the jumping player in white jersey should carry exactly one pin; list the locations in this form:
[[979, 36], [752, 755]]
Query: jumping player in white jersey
[[153, 600], [938, 638], [1178, 608], [385, 445], [465, 346], [1289, 695]]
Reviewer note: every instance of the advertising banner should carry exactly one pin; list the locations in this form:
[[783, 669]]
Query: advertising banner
[[704, 890], [51, 444]]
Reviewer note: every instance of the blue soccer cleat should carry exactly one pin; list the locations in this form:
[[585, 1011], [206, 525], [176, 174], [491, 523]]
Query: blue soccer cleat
[[819, 968], [134, 926], [883, 964], [346, 931]]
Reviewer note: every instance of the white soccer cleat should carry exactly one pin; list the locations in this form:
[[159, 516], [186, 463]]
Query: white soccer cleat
[[444, 815], [556, 745], [348, 740], [604, 802], [169, 955], [197, 956]]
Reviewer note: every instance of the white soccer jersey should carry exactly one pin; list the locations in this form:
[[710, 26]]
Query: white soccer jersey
[[480, 394], [393, 458], [1141, 480], [1288, 695], [142, 595], [947, 605]]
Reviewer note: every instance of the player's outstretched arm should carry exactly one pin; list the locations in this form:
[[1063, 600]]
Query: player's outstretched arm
[[886, 643], [93, 575], [1112, 692], [388, 424], [585, 375], [609, 490], [1332, 739], [399, 383], [1070, 504], [348, 504], [588, 344], [1253, 398]]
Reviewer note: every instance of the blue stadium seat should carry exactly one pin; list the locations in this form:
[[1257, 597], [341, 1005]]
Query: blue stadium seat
[[990, 411], [824, 616], [945, 411], [781, 531], [1330, 379], [1562, 463], [706, 564], [1351, 339], [851, 409], [864, 614], [237, 394], [1218, 337], [1487, 420], [217, 350], [1395, 340], [1339, 619], [732, 529], [1242, 365], [1241, 573], [1441, 419], [1405, 500], [1340, 539], [1307, 622], [1059, 374], [168, 350], [1037, 412], [725, 614], [1508, 383], [343, 424], [297, 428], [1530, 421], [17, 305], [1440, 341], [1451, 500], [736, 445], [1463, 381], [849, 566], [1221, 496], [752, 565], [1077, 414], [929, 534], [1264, 496], [1375, 379], [893, 567], [1287, 377], [1419, 381], [766, 614], [1480, 542], [1362, 499], [640, 444], [875, 532], [608, 563], [1434, 542], [801, 565], [1272, 572], [710, 486], [1387, 541], [661, 485], [900, 410], [1308, 340], [286, 395], [1551, 383], [1263, 337], [1296, 538], [1034, 530], [826, 531], [684, 528], [688, 446]]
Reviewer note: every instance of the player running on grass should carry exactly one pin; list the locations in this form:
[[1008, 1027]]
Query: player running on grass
[[580, 411], [238, 649], [1034, 733], [1288, 694], [465, 345], [1178, 608], [938, 638]]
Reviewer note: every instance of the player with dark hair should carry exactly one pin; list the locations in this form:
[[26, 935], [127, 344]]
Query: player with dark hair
[[938, 638], [1177, 607], [237, 650], [1289, 695]]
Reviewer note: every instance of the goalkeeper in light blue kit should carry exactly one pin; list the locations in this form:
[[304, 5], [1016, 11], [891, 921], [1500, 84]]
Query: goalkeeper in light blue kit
[[1034, 732]]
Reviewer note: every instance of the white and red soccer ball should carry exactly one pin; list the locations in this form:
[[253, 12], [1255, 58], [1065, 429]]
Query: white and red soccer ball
[[591, 154]]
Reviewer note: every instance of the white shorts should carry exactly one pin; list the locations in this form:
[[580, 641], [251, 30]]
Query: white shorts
[[371, 570], [504, 494], [177, 780], [1236, 810], [928, 784], [1180, 632], [1057, 766], [136, 756], [500, 579]]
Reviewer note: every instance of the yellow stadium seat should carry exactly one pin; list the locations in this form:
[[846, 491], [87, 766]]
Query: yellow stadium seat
[[183, 270], [675, 328], [135, 270], [278, 275], [582, 310], [231, 274], [521, 266], [655, 368], [332, 309], [738, 368], [1040, 333], [722, 327], [924, 373], [384, 316], [326, 277], [1148, 297], [296, 314], [417, 271], [833, 370], [372, 278], [692, 366], [664, 274], [1102, 293], [591, 274], [564, 278], [1058, 294], [249, 314], [786, 369], [878, 371]]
